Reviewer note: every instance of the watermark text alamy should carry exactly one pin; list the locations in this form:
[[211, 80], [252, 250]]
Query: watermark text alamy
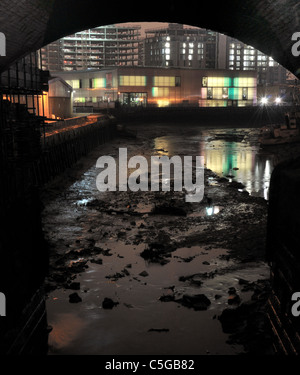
[[138, 180]]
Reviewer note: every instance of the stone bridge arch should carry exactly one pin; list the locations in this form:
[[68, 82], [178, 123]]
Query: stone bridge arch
[[267, 25]]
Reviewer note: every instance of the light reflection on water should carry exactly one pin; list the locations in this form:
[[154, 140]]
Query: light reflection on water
[[238, 158]]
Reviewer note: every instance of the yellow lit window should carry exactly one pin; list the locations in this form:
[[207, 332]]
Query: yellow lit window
[[75, 83], [132, 80], [164, 81], [160, 91]]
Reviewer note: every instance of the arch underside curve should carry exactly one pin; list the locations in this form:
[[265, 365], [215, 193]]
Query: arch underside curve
[[266, 25]]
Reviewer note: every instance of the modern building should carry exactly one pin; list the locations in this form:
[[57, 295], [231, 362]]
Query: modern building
[[149, 86], [94, 49], [240, 56], [180, 46]]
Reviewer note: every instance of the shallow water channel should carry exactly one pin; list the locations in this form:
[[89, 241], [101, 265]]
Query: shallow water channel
[[140, 323]]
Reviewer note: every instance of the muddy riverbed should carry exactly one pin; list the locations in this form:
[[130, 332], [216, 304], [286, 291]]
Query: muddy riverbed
[[146, 272]]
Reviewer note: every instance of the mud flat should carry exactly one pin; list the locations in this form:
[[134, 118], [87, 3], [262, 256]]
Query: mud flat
[[148, 273]]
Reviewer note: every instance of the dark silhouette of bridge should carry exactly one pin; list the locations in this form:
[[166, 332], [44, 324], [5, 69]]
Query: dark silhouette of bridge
[[266, 25]]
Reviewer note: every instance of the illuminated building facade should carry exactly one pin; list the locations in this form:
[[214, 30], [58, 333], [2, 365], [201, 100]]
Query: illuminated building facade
[[181, 46], [134, 86], [95, 48], [240, 56]]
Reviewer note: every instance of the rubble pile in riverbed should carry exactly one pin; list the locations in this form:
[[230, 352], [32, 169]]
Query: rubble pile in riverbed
[[159, 223]]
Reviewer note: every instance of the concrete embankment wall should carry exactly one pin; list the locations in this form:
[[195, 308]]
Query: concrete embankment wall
[[66, 142], [221, 116]]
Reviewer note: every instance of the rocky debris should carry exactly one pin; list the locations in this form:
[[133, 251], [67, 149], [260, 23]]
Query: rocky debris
[[167, 298], [158, 330], [118, 275], [197, 302], [169, 209], [196, 279], [108, 303], [187, 259], [236, 185], [157, 253], [248, 324], [144, 274], [74, 298], [97, 261], [233, 299]]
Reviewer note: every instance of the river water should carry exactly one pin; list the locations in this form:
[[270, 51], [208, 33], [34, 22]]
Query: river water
[[140, 323]]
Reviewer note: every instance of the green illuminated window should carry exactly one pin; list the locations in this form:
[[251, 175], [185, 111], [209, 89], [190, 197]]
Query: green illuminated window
[[244, 82], [99, 83], [160, 91]]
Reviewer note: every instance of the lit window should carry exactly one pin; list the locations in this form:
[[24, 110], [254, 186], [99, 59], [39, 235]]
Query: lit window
[[190, 57], [164, 81], [167, 44], [98, 83], [191, 51], [160, 91], [167, 51], [132, 80], [167, 57], [191, 45]]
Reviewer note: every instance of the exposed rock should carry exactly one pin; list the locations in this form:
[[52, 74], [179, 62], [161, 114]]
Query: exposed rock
[[144, 274], [74, 298], [109, 303], [158, 330], [197, 302]]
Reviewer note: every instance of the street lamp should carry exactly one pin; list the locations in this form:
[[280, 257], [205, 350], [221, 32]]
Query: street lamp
[[264, 100]]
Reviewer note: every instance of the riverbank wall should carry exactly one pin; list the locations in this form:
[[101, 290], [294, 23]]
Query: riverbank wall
[[30, 156], [210, 116], [64, 143]]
